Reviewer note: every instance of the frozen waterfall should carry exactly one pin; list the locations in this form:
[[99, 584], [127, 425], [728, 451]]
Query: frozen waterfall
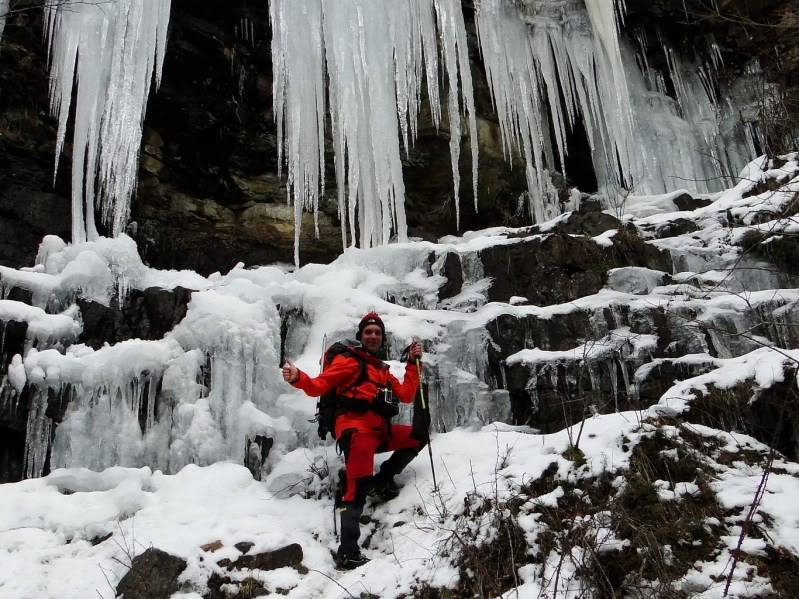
[[552, 64], [369, 66], [107, 54], [376, 55]]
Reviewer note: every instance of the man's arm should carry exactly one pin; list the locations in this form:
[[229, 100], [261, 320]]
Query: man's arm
[[339, 370], [406, 390]]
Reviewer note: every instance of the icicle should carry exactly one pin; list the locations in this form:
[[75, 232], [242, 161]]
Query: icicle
[[376, 55], [109, 52], [4, 9], [551, 57], [456, 57], [38, 431], [299, 102]]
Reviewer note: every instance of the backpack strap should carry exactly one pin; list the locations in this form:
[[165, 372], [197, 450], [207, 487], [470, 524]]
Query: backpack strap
[[362, 372]]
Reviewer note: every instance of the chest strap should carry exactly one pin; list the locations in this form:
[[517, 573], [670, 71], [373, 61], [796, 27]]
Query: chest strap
[[361, 406]]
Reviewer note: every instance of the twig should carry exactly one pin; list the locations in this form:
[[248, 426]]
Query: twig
[[338, 584], [761, 489]]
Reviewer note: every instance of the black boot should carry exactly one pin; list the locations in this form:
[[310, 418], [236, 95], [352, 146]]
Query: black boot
[[349, 554], [384, 487]]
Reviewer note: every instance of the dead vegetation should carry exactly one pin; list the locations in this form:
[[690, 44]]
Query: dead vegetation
[[631, 532]]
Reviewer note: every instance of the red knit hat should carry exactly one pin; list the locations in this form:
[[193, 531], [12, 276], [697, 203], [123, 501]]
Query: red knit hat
[[370, 318]]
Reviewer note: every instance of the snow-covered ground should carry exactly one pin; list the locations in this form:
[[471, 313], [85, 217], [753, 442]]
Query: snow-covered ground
[[48, 525], [179, 513]]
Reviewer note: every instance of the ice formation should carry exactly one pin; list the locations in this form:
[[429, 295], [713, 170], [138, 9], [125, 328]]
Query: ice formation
[[205, 390], [556, 59], [551, 66], [4, 8], [563, 62], [377, 56], [107, 54]]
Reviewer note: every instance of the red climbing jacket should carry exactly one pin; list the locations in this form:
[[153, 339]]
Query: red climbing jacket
[[343, 371]]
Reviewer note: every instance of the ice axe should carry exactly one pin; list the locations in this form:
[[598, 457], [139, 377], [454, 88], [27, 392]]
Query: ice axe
[[426, 408]]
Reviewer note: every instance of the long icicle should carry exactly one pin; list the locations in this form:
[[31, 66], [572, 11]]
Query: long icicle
[[375, 56], [109, 53]]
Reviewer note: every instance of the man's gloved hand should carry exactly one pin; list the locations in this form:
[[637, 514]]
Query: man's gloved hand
[[290, 372], [412, 353]]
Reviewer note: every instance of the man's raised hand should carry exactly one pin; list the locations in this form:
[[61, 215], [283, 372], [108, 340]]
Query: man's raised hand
[[290, 372], [415, 351]]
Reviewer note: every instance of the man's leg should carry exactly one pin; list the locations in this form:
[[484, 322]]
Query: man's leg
[[405, 448], [359, 466]]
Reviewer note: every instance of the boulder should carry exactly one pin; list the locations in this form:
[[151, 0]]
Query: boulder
[[152, 575], [148, 314], [560, 267], [288, 556]]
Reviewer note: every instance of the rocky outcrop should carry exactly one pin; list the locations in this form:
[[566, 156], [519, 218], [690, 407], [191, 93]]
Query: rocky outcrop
[[770, 415], [221, 586], [31, 204], [152, 575], [568, 263], [148, 314], [13, 413], [288, 556]]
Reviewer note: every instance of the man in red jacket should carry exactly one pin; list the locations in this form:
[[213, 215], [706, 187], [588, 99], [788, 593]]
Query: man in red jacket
[[360, 430]]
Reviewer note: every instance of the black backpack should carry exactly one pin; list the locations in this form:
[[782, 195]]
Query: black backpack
[[327, 406]]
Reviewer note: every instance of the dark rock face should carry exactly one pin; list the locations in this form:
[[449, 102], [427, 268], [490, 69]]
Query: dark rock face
[[558, 390], [664, 374], [13, 413], [771, 415], [153, 575], [13, 416], [209, 194], [288, 556], [255, 453], [30, 206], [453, 270], [560, 268], [12, 341], [551, 395], [148, 314]]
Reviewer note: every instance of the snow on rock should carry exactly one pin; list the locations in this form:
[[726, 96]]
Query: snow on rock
[[43, 328], [102, 270], [635, 279], [67, 515], [179, 513], [764, 367]]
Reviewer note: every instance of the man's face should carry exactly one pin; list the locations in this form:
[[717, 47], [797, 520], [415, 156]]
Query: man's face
[[372, 338]]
